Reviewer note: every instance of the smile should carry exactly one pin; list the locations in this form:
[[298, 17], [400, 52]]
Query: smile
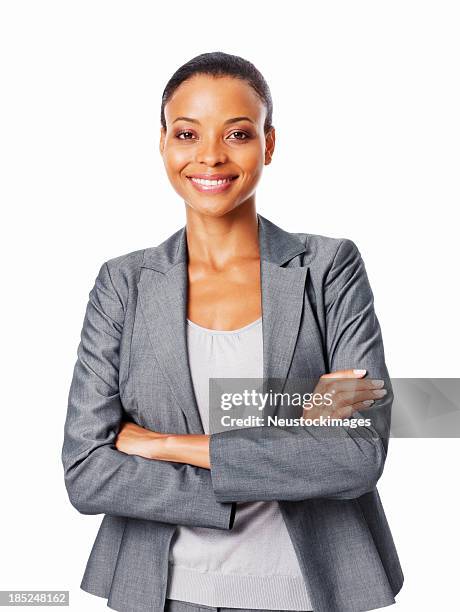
[[209, 185]]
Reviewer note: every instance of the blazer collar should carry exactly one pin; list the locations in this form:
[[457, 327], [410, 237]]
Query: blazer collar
[[275, 245], [162, 290]]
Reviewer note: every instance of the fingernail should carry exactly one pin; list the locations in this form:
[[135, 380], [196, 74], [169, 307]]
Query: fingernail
[[368, 402], [359, 372], [378, 383], [380, 392]]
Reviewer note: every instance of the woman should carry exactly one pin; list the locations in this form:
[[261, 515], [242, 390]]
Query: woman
[[274, 518]]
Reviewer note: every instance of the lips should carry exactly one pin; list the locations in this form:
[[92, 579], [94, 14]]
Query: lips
[[213, 177], [212, 183]]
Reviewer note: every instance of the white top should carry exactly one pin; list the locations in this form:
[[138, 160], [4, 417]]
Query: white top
[[254, 564]]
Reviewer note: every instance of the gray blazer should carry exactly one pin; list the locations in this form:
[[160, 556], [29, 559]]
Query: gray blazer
[[318, 317]]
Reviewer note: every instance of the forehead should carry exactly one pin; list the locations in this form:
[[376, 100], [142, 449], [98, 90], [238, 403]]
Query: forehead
[[214, 98]]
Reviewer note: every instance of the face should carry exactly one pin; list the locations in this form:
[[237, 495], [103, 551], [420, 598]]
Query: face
[[215, 132]]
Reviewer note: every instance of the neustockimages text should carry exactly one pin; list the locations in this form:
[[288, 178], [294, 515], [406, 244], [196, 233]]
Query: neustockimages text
[[323, 421], [258, 401]]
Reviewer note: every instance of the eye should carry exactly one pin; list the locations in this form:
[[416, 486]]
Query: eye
[[183, 135], [246, 136], [179, 134]]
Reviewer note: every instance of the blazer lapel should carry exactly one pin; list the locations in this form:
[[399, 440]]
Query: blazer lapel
[[162, 291]]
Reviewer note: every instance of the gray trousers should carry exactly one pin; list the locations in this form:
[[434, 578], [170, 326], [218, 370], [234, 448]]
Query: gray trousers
[[175, 605]]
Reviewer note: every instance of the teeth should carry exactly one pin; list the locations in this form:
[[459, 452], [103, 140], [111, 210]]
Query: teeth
[[210, 183]]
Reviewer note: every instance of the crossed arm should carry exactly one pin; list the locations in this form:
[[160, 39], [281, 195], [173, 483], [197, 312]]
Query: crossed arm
[[194, 449], [196, 479], [98, 477]]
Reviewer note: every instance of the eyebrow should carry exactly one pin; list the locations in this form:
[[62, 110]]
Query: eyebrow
[[232, 120]]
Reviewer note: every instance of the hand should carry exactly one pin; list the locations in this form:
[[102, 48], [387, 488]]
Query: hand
[[349, 394], [136, 440]]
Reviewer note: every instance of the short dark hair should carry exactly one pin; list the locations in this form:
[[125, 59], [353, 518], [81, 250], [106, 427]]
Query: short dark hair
[[218, 63]]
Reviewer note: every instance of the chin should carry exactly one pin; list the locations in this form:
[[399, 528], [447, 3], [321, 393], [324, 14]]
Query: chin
[[213, 209]]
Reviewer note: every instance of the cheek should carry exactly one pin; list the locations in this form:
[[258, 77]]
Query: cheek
[[251, 157], [176, 158], [252, 163]]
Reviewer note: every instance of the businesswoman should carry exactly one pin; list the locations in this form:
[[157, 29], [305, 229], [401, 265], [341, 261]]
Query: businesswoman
[[262, 518]]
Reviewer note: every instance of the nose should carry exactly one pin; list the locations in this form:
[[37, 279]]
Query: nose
[[210, 152]]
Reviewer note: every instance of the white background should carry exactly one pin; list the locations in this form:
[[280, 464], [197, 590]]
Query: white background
[[366, 109]]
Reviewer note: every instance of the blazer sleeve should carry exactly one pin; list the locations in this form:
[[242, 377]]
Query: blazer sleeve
[[98, 477], [305, 462]]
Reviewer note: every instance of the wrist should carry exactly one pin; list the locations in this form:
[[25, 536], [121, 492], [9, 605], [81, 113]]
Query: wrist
[[158, 447], [166, 448], [182, 448]]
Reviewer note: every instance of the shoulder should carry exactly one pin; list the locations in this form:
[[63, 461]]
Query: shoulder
[[335, 264], [336, 268], [126, 263], [325, 252], [118, 275]]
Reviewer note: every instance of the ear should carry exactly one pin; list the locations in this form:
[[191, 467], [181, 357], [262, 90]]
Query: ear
[[269, 145], [162, 139]]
